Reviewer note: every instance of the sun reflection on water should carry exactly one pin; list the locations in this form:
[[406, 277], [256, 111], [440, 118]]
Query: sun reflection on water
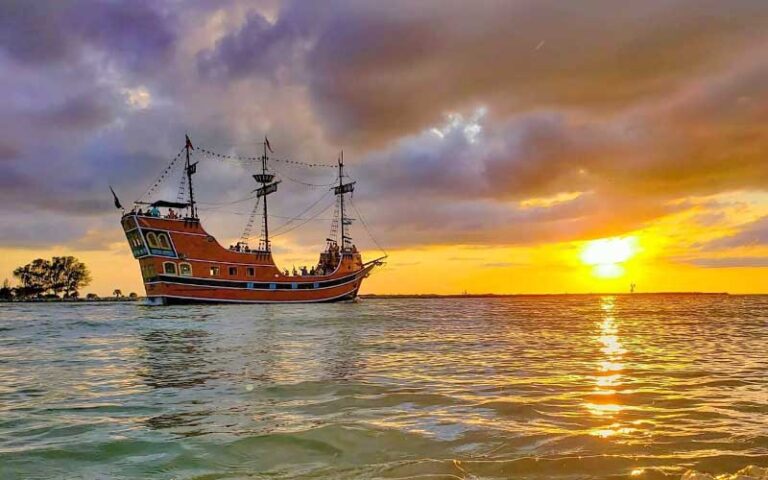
[[608, 378]]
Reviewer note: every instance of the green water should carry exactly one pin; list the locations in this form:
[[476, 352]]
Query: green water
[[548, 387]]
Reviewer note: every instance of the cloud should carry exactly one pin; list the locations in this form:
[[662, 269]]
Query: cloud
[[752, 234], [137, 34], [503, 264], [84, 111], [99, 238], [730, 262], [495, 123], [8, 151], [633, 110], [380, 70], [260, 48]]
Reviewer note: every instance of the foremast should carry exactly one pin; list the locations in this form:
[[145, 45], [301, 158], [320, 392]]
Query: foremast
[[190, 169]]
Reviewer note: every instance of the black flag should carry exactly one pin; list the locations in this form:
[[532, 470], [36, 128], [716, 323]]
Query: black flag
[[266, 142], [117, 201], [192, 169], [189, 143]]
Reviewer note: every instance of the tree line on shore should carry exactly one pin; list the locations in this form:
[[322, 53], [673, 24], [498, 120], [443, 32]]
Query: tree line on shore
[[57, 278]]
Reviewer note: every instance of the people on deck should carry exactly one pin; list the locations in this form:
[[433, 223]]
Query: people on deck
[[172, 214], [154, 212]]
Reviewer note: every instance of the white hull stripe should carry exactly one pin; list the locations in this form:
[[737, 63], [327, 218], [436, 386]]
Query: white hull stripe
[[245, 288], [220, 300]]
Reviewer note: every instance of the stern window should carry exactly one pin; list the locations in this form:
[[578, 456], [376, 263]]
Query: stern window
[[152, 240], [250, 271], [169, 268], [232, 271], [162, 240], [185, 269], [214, 271]]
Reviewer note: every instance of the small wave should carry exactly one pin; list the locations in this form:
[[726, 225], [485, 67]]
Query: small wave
[[751, 472]]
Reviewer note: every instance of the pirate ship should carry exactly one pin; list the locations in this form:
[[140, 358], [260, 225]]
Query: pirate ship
[[182, 263]]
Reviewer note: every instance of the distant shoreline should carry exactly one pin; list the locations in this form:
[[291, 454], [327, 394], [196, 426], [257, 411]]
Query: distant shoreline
[[373, 296], [426, 296], [70, 300]]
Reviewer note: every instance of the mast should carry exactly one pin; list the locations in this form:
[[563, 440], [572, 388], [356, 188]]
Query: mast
[[267, 187], [263, 185], [190, 169], [341, 200], [341, 190]]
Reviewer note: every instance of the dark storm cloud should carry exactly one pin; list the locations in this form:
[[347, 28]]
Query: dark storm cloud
[[8, 151], [380, 69], [260, 48], [32, 32], [83, 111], [658, 98], [41, 32]]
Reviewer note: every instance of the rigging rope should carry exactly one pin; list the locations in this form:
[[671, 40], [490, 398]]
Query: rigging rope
[[297, 217], [303, 223], [271, 215], [162, 176], [334, 231], [255, 159], [224, 204], [249, 226], [301, 182], [365, 225], [182, 189]]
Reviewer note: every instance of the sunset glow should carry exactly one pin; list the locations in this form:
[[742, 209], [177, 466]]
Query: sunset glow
[[565, 170], [609, 251], [607, 255]]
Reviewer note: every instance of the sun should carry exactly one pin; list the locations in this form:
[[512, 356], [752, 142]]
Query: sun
[[607, 254]]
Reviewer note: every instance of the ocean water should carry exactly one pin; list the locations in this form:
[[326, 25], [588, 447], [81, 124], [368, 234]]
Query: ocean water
[[641, 387]]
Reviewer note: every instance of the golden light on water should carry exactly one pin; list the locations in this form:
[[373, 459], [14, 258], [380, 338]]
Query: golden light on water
[[608, 378], [607, 255]]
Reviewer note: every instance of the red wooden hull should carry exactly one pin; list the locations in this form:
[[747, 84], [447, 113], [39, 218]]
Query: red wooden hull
[[181, 263]]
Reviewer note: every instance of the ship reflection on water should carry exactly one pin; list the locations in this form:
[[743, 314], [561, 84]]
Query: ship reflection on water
[[264, 359], [176, 358]]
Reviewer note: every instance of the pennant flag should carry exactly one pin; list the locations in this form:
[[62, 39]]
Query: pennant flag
[[189, 143], [117, 201], [266, 142]]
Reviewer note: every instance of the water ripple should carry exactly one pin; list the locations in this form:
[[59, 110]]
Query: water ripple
[[645, 387]]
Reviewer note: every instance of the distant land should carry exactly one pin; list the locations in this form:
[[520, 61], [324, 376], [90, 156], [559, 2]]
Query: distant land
[[508, 295]]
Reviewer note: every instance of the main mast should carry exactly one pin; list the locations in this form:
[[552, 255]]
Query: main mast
[[341, 190], [267, 187]]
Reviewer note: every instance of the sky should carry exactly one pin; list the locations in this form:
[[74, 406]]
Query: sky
[[499, 147]]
